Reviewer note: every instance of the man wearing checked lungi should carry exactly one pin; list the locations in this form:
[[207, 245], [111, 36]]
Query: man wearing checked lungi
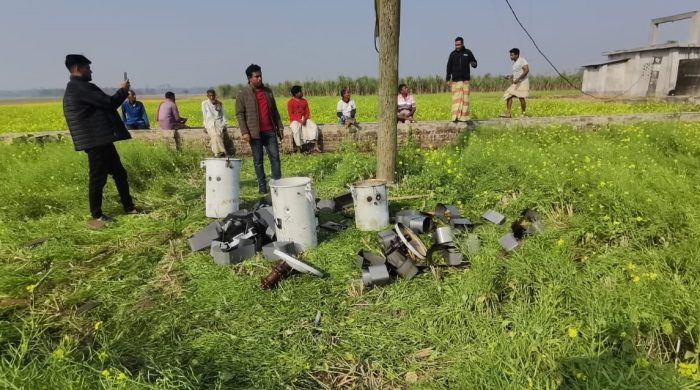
[[458, 79]]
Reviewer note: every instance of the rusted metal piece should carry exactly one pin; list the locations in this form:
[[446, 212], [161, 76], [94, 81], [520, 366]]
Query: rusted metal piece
[[279, 272]]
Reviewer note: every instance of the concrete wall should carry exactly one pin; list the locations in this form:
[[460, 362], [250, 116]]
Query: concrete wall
[[424, 134], [633, 77]]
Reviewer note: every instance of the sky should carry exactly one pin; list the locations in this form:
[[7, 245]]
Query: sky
[[210, 42]]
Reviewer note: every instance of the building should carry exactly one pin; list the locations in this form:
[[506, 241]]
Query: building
[[671, 68]]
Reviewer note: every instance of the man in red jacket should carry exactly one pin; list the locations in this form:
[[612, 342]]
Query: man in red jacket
[[260, 124]]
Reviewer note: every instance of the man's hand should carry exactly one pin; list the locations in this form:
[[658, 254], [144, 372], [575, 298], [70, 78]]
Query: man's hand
[[126, 85], [245, 137], [449, 83]]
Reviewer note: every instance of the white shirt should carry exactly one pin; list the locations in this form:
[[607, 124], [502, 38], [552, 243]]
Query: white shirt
[[518, 66], [345, 108], [212, 117]]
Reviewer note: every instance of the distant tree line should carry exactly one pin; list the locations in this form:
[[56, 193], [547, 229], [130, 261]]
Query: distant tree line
[[429, 84]]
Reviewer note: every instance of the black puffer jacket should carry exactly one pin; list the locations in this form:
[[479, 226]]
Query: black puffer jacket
[[458, 65], [91, 114]]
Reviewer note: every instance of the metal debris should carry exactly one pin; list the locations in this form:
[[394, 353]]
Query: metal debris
[[494, 216], [203, 238], [333, 226]]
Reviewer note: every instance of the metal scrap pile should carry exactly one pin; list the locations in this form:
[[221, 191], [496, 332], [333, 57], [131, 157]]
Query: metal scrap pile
[[241, 234], [405, 255]]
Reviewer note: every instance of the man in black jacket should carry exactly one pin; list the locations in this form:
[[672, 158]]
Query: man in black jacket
[[458, 79], [94, 125]]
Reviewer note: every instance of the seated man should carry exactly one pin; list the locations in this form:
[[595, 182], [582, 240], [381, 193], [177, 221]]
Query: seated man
[[304, 130], [168, 115], [134, 113], [346, 110], [406, 105]]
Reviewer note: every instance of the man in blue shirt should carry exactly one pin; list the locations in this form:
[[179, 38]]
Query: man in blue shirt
[[134, 114]]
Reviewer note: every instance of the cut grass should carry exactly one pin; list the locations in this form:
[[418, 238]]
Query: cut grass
[[606, 297]]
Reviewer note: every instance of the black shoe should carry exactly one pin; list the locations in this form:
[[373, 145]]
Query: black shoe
[[262, 189]]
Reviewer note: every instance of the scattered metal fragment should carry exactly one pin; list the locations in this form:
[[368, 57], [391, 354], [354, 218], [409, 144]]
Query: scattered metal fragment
[[443, 235], [414, 245], [203, 238], [366, 259], [333, 226], [527, 225], [375, 275], [326, 205], [285, 246], [494, 216], [343, 201], [387, 238], [445, 212], [407, 269], [279, 271], [452, 255], [244, 250], [462, 223], [297, 264], [509, 242]]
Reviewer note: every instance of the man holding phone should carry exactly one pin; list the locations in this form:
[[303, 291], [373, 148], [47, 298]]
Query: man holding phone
[[95, 125]]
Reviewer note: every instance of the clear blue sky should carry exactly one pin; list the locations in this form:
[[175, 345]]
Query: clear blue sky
[[206, 43]]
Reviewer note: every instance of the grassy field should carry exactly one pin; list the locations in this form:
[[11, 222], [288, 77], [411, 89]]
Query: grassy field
[[606, 297], [48, 115]]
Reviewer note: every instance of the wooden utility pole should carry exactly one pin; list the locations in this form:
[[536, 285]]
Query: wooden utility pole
[[388, 86]]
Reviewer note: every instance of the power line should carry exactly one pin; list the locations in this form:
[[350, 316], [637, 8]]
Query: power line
[[557, 70]]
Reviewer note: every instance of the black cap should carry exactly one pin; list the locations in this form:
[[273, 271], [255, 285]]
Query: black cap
[[76, 59]]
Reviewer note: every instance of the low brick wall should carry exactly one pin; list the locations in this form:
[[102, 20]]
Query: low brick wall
[[424, 134]]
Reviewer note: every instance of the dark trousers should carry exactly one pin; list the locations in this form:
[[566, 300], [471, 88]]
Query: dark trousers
[[103, 161], [268, 140]]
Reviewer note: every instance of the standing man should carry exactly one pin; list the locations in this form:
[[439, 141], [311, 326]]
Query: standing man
[[215, 125], [134, 113], [260, 124], [458, 79], [94, 125], [521, 84]]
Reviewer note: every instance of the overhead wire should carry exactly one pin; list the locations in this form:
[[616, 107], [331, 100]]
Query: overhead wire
[[517, 19]]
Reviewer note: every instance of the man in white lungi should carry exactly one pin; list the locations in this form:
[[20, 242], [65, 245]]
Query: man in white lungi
[[304, 130], [215, 126], [521, 84]]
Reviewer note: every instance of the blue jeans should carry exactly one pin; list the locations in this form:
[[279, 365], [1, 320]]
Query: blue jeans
[[268, 139]]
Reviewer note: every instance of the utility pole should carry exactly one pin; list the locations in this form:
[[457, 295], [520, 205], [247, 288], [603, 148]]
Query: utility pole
[[388, 85]]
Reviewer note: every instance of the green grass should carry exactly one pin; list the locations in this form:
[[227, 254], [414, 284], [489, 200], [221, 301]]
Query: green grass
[[601, 299], [48, 115]]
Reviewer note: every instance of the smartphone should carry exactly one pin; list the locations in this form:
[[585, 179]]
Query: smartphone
[[125, 78]]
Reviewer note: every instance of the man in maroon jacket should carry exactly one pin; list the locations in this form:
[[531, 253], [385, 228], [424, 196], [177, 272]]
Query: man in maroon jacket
[[260, 124]]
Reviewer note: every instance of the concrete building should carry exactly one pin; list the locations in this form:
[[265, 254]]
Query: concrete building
[[671, 68]]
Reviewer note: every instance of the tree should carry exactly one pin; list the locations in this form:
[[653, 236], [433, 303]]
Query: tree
[[388, 31]]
